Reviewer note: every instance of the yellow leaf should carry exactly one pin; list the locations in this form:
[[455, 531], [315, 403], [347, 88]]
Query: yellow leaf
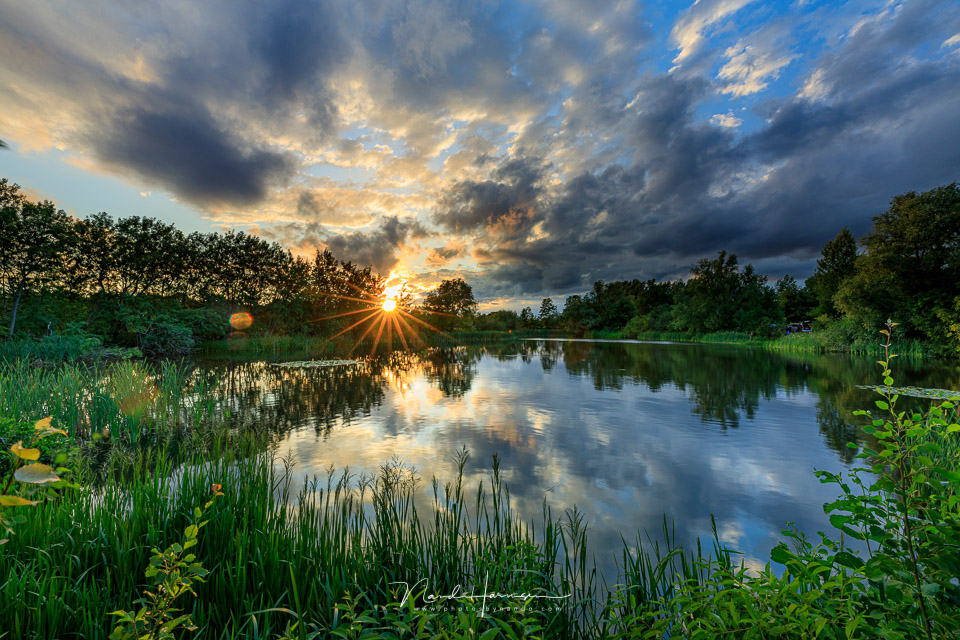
[[26, 454], [43, 423], [49, 432], [15, 501]]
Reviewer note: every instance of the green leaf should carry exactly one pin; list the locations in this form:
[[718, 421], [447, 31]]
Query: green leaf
[[930, 589], [847, 559], [882, 405], [780, 554], [36, 474], [489, 634], [953, 428]]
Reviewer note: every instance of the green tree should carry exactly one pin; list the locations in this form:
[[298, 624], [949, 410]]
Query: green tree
[[34, 237], [453, 301], [574, 315], [757, 305], [910, 266], [709, 301], [527, 319], [796, 303], [837, 262], [548, 313]]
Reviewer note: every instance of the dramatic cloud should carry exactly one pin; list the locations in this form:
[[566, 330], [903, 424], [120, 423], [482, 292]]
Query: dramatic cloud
[[530, 148], [191, 155]]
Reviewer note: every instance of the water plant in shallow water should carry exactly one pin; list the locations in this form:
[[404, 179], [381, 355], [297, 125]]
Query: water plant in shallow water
[[314, 364], [916, 392]]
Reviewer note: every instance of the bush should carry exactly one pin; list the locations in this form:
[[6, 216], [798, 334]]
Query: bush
[[204, 324], [12, 432], [164, 336]]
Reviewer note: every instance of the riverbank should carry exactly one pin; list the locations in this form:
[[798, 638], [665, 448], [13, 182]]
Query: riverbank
[[814, 342], [86, 348]]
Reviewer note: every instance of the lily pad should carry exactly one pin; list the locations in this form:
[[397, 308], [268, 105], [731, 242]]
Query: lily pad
[[314, 364], [916, 392]]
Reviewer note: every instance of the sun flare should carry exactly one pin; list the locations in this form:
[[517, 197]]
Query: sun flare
[[389, 304]]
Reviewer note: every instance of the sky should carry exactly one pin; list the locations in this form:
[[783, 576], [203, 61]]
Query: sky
[[531, 148]]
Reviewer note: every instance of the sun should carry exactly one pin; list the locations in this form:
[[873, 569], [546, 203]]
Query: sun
[[384, 311]]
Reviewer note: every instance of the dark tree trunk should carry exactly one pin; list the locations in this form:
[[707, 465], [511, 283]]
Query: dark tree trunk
[[16, 305]]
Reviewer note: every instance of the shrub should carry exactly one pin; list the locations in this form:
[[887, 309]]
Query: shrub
[[204, 324], [164, 336]]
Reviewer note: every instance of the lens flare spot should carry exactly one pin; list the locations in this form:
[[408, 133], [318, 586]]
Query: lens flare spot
[[241, 321], [389, 304]]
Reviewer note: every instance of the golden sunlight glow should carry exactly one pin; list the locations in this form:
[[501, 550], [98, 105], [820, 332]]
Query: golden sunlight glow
[[385, 311]]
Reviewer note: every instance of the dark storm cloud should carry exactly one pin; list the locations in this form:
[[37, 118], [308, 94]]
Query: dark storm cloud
[[272, 63], [217, 82], [512, 191], [189, 153], [378, 247]]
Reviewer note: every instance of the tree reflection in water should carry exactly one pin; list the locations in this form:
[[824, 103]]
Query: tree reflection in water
[[724, 385]]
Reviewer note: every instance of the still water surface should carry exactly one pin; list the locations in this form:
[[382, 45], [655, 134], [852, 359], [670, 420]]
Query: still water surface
[[627, 433]]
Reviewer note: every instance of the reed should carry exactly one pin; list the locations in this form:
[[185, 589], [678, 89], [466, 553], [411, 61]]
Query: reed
[[126, 400], [276, 553]]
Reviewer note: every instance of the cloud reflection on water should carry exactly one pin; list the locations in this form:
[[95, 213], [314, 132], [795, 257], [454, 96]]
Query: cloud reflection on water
[[626, 432]]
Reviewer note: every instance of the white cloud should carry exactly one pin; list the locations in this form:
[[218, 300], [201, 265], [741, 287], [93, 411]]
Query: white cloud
[[688, 31], [726, 120], [749, 68], [815, 87]]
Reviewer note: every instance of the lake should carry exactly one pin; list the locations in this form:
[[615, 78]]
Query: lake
[[626, 432]]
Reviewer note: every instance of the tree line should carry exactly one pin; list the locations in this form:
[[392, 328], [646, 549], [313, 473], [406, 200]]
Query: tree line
[[140, 281]]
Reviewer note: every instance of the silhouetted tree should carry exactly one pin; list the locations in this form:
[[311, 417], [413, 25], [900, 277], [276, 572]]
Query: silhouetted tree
[[837, 262]]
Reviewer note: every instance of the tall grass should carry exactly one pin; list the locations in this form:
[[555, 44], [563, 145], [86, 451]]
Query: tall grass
[[720, 337], [827, 341], [62, 348], [277, 554], [125, 400]]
